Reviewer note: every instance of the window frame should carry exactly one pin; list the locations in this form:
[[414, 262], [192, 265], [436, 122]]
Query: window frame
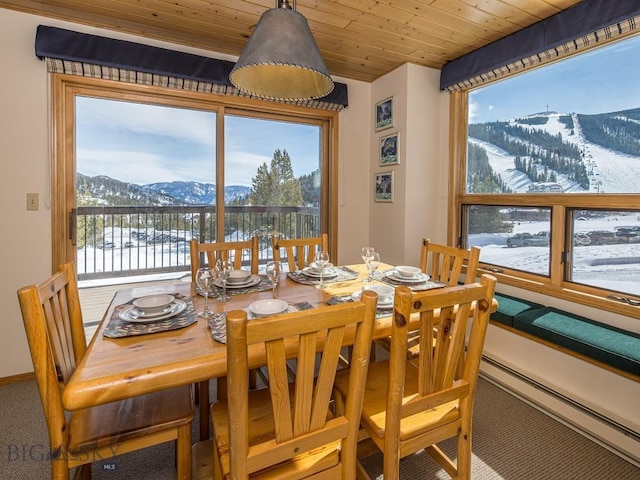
[[64, 89], [561, 206]]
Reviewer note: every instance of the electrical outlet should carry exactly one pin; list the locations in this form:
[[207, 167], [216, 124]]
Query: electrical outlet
[[33, 202]]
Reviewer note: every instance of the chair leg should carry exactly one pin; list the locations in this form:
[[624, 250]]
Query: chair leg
[[253, 379], [83, 472], [183, 452], [464, 454], [361, 473]]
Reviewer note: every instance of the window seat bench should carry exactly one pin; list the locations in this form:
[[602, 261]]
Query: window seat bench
[[604, 345]]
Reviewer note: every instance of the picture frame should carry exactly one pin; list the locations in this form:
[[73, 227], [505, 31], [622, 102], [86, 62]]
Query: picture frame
[[383, 188], [384, 114], [389, 150]]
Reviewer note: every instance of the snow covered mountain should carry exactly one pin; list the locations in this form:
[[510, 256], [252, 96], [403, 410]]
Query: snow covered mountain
[[106, 191], [560, 152]]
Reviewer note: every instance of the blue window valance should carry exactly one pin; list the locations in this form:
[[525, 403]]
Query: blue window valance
[[579, 27], [83, 54]]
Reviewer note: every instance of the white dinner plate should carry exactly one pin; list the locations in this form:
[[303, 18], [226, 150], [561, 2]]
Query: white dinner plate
[[130, 313], [421, 277], [383, 305], [328, 273], [250, 282]]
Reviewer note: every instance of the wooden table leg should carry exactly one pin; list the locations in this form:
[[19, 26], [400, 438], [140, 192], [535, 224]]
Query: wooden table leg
[[203, 401]]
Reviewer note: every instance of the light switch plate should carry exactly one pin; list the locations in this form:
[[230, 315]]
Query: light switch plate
[[33, 203]]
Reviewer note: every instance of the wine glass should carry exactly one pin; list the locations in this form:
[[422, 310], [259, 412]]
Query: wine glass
[[367, 253], [205, 278], [322, 260], [224, 267], [372, 266], [274, 269]]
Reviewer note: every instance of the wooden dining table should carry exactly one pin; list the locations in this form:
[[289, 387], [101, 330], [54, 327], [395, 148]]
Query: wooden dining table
[[118, 368]]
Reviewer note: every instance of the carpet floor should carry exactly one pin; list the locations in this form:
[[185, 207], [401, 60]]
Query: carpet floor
[[511, 441]]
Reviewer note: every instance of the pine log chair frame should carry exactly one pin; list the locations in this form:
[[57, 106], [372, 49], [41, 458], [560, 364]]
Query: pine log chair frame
[[411, 405], [53, 322], [443, 263], [214, 251], [288, 430], [300, 252]]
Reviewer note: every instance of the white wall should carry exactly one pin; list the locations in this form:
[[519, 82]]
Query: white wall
[[25, 248], [421, 120]]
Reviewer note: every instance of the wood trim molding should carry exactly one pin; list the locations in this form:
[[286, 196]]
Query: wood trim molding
[[21, 377]]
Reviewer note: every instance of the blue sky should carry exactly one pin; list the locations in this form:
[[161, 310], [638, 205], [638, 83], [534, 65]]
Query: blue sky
[[599, 81], [140, 143]]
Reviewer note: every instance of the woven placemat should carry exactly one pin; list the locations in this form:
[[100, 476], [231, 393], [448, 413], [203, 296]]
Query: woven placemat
[[338, 299], [343, 274], [218, 322], [263, 286], [119, 328], [416, 287]]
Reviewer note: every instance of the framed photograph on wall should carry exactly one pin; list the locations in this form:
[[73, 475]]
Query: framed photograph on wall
[[384, 114], [389, 150], [383, 187]]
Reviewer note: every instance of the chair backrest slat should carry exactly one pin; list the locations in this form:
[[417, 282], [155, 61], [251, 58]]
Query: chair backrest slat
[[236, 251], [445, 263], [300, 252]]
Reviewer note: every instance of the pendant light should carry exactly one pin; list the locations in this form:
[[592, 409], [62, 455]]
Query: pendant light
[[281, 60]]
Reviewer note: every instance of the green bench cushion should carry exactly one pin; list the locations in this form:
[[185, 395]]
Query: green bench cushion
[[509, 307], [613, 346]]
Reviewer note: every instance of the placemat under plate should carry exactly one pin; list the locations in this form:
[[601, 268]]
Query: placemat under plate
[[119, 328], [218, 322], [343, 274]]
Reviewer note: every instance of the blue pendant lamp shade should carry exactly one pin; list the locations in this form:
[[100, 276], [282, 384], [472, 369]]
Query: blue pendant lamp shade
[[281, 60]]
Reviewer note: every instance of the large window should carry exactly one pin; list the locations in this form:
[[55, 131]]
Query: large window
[[550, 183], [142, 171]]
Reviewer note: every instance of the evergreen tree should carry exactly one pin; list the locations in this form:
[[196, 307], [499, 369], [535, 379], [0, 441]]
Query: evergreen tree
[[277, 185]]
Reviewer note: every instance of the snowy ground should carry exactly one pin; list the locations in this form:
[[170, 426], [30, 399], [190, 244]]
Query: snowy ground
[[609, 172], [592, 264]]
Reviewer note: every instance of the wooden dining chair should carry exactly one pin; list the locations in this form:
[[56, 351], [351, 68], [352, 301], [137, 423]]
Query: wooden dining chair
[[208, 253], [53, 323], [410, 406], [238, 252], [300, 252], [288, 431], [446, 264]]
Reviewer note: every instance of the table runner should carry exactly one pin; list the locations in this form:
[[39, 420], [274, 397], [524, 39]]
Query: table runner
[[118, 328]]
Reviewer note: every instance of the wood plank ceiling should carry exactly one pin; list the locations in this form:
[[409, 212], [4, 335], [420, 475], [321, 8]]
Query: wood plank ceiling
[[358, 39]]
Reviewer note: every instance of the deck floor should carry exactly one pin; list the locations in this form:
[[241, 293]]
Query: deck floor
[[94, 300]]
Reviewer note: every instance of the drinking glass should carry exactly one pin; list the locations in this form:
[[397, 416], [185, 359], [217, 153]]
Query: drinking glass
[[372, 266], [224, 267], [367, 254], [322, 260], [205, 278], [274, 269]]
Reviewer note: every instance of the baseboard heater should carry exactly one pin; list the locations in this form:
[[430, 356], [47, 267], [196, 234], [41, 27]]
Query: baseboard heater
[[583, 409]]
